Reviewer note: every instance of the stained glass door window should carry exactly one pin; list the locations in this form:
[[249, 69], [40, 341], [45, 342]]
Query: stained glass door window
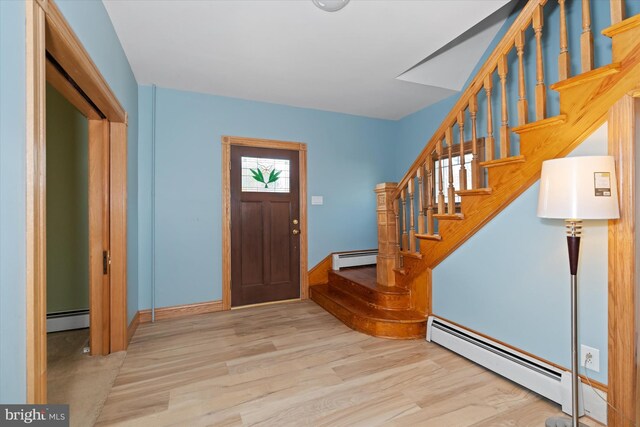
[[262, 175]]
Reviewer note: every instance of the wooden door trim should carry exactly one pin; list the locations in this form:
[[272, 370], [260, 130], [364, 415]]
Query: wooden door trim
[[47, 30], [98, 293], [301, 148], [63, 44], [623, 293], [118, 236], [36, 297]]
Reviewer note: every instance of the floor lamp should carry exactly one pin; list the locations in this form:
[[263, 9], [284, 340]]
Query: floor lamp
[[576, 189]]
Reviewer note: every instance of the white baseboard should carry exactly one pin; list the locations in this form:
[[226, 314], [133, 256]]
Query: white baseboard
[[67, 320]]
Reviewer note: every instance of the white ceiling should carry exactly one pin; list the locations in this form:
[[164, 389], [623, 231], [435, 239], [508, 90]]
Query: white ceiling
[[450, 67], [290, 52]]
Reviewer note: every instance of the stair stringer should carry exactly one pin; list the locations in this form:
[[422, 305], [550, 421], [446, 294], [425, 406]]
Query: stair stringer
[[585, 102]]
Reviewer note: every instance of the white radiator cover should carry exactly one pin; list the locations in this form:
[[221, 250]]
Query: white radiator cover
[[353, 259], [542, 378], [64, 321]]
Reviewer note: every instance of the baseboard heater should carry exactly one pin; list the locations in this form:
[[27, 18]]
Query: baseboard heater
[[67, 320], [353, 259], [542, 378]]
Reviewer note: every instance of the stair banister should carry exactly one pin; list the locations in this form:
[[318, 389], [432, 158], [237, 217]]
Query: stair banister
[[503, 47]]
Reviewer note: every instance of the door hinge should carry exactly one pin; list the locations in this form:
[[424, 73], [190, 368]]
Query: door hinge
[[106, 261]]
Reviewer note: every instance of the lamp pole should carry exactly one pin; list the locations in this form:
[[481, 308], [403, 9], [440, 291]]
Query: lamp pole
[[574, 230]]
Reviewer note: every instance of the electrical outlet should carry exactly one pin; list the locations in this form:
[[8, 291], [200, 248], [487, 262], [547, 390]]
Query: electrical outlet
[[590, 358]]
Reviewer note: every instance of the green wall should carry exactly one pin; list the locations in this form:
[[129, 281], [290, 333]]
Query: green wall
[[67, 206]]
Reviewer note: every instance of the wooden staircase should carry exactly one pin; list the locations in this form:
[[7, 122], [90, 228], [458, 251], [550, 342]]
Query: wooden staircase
[[429, 214]]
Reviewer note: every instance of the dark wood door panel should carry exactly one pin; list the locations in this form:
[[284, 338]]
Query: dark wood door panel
[[265, 248], [280, 242], [252, 246]]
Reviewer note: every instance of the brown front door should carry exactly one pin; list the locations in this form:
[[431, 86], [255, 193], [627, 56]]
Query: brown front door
[[265, 239]]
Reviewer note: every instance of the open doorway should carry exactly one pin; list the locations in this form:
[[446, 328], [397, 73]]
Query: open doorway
[[74, 377], [55, 55], [67, 216]]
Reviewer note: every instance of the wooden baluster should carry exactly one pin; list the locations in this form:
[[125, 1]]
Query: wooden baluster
[[617, 11], [463, 169], [564, 66], [451, 191], [430, 190], [412, 216], [405, 233], [586, 38], [440, 179], [489, 142], [421, 208], [396, 212], [522, 90], [504, 128], [475, 166], [541, 91]]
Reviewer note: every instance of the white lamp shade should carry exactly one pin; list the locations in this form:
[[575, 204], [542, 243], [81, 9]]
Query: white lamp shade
[[578, 188]]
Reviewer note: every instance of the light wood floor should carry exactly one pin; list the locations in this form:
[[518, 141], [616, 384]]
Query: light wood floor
[[294, 364], [77, 379]]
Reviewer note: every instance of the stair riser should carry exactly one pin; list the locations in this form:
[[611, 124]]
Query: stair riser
[[388, 305], [368, 295], [368, 326]]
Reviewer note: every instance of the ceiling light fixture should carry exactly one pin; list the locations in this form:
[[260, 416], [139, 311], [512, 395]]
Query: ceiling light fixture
[[330, 5]]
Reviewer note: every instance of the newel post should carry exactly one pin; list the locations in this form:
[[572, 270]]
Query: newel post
[[387, 233]]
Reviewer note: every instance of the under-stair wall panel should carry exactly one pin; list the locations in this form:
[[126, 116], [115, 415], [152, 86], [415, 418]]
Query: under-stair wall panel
[[516, 267]]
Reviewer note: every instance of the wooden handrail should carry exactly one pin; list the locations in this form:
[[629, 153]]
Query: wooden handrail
[[504, 46]]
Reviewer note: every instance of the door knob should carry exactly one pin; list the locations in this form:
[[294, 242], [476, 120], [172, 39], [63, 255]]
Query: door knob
[[296, 232]]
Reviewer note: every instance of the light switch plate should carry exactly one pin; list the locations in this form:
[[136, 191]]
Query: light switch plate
[[317, 200]]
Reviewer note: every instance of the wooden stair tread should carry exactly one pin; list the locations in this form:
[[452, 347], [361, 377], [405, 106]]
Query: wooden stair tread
[[503, 162], [366, 277], [622, 26], [429, 237], [362, 309], [539, 124], [475, 192], [416, 255], [598, 73], [449, 217]]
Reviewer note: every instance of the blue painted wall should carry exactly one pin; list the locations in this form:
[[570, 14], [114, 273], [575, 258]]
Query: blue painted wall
[[347, 157], [91, 23], [12, 203], [515, 282], [415, 130]]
